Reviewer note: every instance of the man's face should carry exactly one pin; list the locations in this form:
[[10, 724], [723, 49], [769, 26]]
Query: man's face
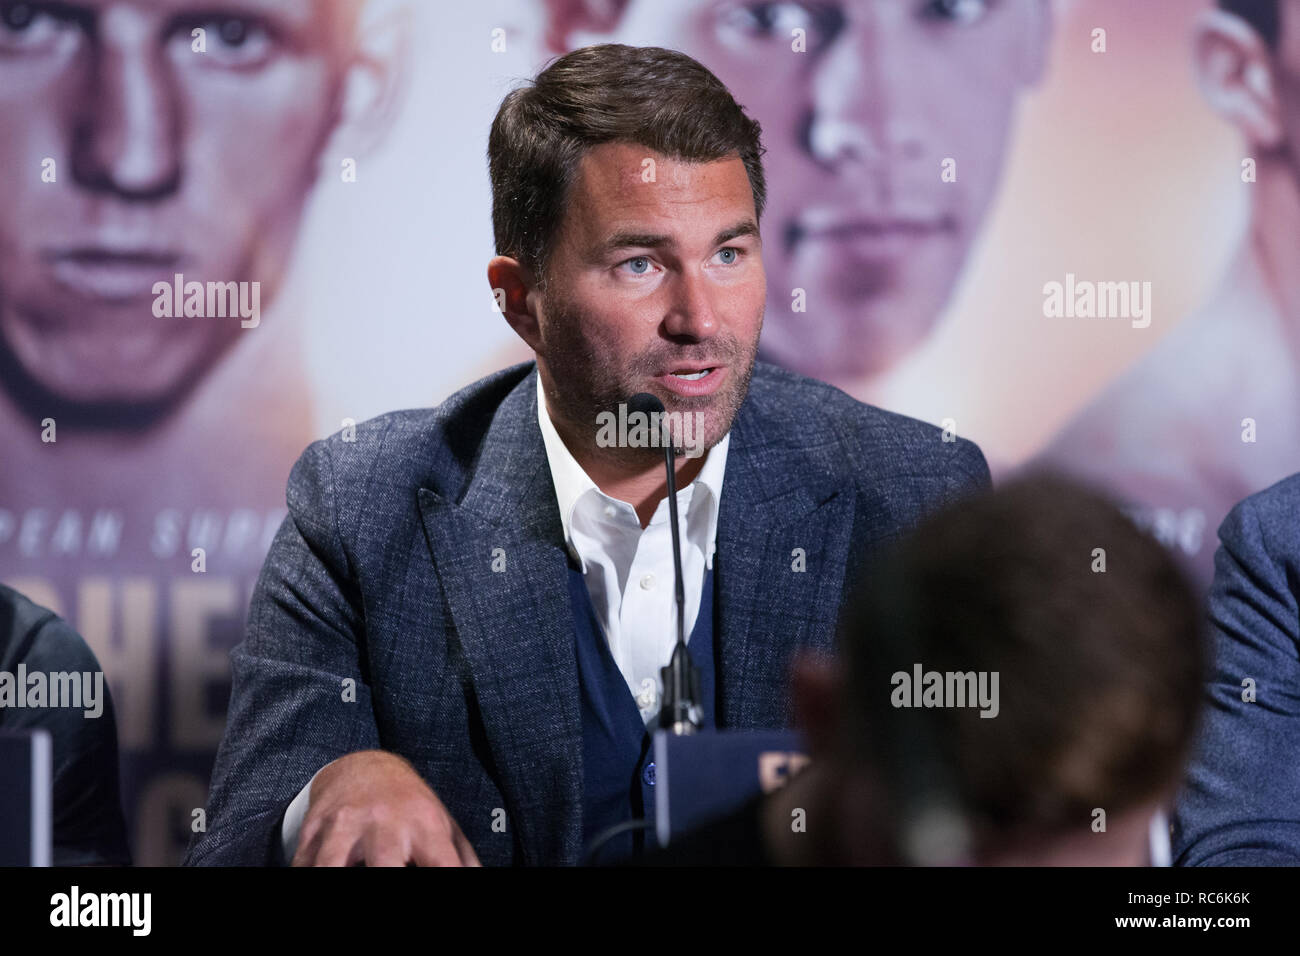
[[857, 129], [166, 160], [650, 284]]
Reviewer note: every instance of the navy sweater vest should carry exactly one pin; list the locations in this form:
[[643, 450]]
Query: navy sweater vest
[[618, 768]]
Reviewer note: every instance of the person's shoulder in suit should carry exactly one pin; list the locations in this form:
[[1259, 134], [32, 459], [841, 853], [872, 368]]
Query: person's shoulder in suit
[[363, 480], [439, 444], [1272, 514], [855, 444], [88, 825], [1238, 805]]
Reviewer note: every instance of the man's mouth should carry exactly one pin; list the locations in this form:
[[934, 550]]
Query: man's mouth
[[692, 381]]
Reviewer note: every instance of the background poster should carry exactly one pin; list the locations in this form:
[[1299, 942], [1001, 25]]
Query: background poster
[[341, 165]]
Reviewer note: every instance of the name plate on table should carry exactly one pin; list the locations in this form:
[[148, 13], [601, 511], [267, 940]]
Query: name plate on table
[[700, 777]]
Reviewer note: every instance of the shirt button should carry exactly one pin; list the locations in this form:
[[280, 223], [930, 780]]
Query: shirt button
[[648, 774], [647, 582], [610, 511], [646, 698]]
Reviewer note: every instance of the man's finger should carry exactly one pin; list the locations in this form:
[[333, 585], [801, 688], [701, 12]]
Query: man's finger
[[383, 848], [466, 849], [429, 849], [340, 847]]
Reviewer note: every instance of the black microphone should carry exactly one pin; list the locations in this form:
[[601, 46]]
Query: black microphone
[[680, 712]]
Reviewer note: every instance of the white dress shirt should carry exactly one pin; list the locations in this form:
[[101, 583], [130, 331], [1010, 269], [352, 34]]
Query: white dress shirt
[[628, 571]]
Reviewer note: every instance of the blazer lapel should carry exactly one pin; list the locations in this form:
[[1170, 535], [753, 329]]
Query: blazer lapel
[[782, 546], [500, 556]]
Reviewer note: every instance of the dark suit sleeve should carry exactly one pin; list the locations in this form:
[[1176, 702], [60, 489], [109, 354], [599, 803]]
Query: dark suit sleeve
[[300, 695], [1241, 802], [970, 472], [89, 829]]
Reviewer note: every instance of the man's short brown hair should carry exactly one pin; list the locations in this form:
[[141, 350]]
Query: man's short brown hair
[[648, 96]]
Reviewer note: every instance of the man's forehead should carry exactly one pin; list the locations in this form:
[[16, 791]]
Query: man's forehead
[[617, 178], [630, 165]]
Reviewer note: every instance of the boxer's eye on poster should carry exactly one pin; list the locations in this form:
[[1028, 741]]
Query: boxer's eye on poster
[[38, 29]]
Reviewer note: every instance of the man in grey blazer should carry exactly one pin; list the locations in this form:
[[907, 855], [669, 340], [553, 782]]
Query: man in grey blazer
[[453, 648]]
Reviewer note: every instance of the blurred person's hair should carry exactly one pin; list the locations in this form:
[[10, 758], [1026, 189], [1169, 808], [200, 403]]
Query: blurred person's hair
[[611, 93], [1264, 15], [1100, 672]]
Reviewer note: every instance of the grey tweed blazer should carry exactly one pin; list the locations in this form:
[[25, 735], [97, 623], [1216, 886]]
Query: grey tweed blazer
[[378, 620]]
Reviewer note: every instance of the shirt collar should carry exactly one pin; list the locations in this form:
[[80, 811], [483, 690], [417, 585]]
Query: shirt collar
[[572, 483]]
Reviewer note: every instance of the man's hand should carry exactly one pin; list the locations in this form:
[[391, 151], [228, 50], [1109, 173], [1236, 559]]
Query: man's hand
[[372, 807]]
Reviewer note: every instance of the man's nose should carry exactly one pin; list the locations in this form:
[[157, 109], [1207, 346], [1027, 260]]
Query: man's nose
[[126, 136], [857, 110], [691, 315]]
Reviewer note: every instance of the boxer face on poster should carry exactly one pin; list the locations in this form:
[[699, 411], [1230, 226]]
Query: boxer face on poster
[[129, 156], [857, 130]]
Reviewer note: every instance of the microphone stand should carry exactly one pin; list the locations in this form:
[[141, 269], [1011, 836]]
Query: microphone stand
[[680, 713]]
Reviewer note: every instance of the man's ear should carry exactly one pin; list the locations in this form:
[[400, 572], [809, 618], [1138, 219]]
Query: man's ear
[[1234, 69], [565, 18], [377, 79], [814, 692], [513, 288]]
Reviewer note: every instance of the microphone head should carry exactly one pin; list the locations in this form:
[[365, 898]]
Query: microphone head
[[646, 403]]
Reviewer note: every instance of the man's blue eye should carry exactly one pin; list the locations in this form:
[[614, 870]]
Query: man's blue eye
[[643, 261], [730, 255]]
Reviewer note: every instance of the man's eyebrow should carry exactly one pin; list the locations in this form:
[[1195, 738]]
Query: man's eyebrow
[[641, 240], [746, 227]]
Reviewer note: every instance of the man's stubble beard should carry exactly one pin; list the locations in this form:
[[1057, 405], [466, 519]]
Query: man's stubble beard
[[582, 387]]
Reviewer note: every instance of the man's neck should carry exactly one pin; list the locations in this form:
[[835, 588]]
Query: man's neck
[[641, 481]]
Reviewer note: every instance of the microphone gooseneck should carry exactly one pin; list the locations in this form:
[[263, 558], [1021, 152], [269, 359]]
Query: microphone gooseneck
[[680, 712]]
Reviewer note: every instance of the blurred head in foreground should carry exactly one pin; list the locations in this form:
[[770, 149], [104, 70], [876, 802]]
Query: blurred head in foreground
[[1018, 683]]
